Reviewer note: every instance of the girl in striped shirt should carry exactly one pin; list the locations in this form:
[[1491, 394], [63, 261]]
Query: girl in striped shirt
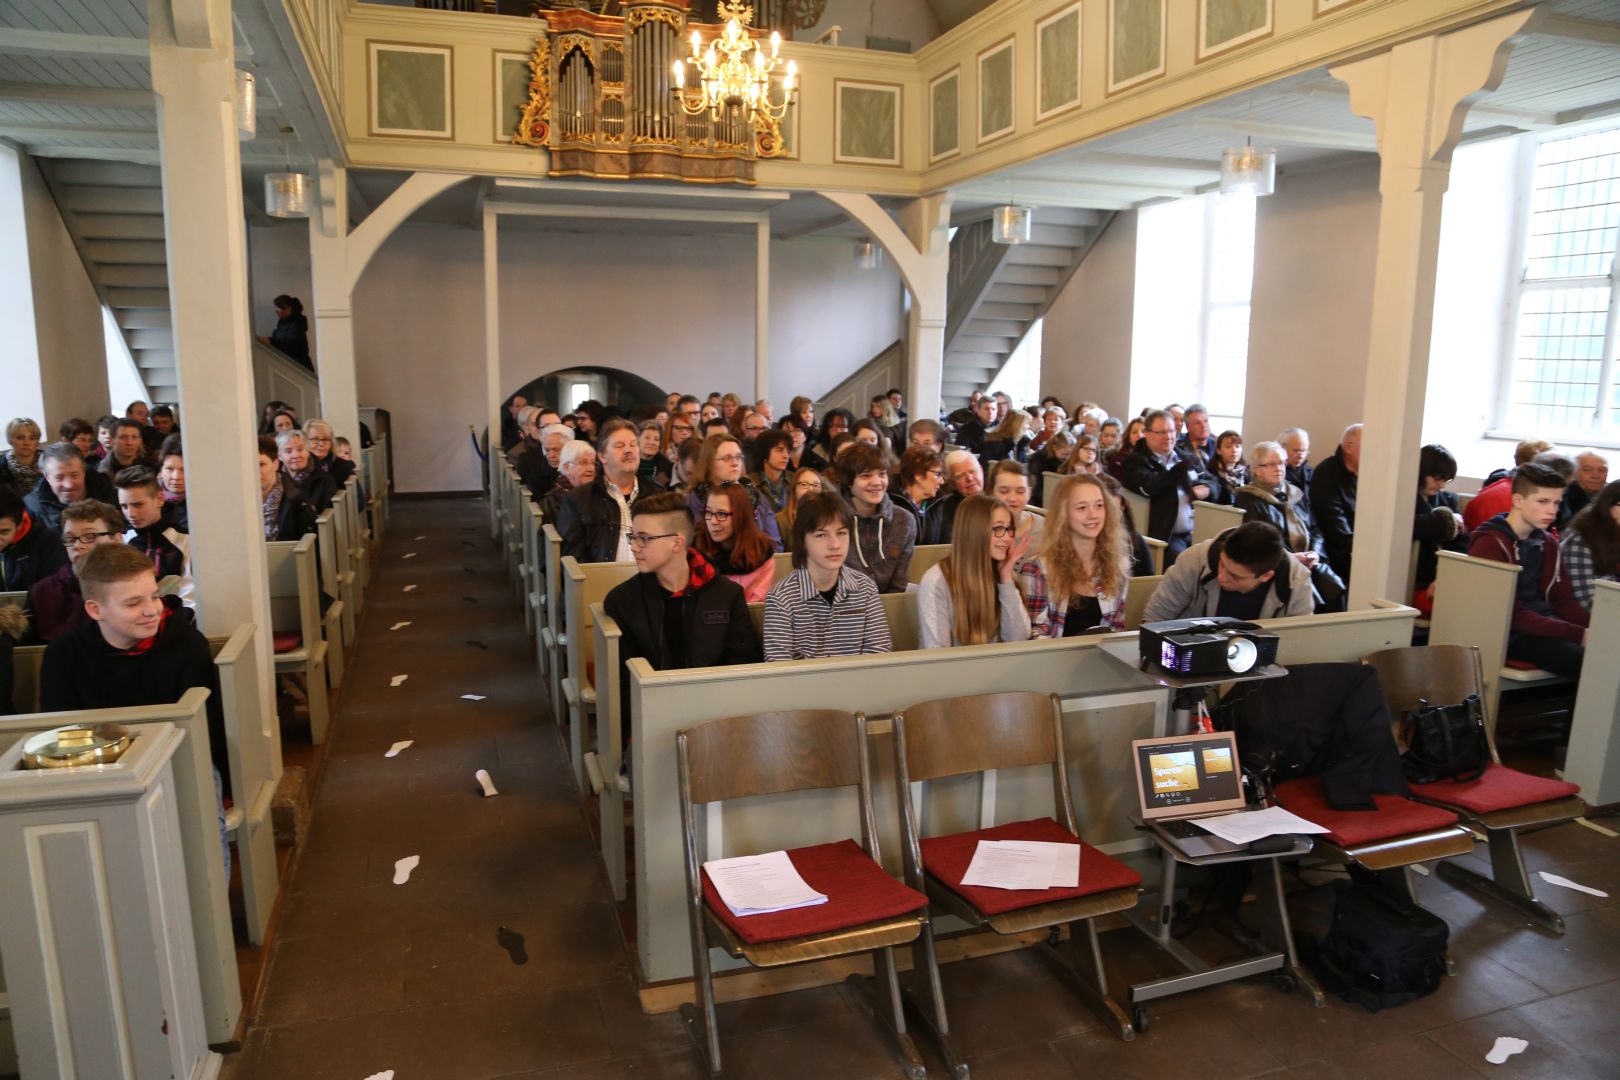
[[823, 608]]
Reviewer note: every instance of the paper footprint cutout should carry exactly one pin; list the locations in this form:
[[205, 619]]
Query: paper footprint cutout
[[397, 680], [398, 625], [408, 555], [408, 588], [393, 751], [512, 942], [403, 868], [1506, 1046], [386, 1075], [482, 776]]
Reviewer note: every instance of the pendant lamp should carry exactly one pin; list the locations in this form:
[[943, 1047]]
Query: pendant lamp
[[1011, 224], [1247, 171], [247, 106]]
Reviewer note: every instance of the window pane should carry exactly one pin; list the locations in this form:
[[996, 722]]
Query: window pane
[[1575, 208], [1226, 353], [1559, 359]]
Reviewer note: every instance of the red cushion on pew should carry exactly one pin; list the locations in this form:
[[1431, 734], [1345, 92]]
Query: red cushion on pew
[[1500, 788], [1395, 816], [947, 859], [858, 891], [1519, 665], [287, 640]]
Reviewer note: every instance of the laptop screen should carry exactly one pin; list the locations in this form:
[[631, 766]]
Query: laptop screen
[[1187, 774]]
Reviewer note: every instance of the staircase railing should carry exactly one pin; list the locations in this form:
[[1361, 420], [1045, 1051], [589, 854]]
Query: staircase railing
[[278, 377], [975, 258]]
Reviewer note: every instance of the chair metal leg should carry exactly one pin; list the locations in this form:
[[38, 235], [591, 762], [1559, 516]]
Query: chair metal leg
[[701, 1026], [1084, 971], [927, 1001], [890, 1012], [1509, 881]]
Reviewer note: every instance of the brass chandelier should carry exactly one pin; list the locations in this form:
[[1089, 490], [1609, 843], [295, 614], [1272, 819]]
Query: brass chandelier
[[735, 72]]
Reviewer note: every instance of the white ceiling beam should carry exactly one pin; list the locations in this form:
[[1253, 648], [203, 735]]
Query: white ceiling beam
[[640, 213], [1282, 134], [96, 96], [1589, 112], [814, 227], [1088, 158], [694, 195], [1526, 119], [78, 131], [1581, 31], [55, 43]]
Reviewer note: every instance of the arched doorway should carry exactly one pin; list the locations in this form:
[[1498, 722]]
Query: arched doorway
[[565, 389]]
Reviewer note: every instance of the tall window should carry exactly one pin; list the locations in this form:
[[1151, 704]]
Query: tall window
[[1194, 274], [1564, 379]]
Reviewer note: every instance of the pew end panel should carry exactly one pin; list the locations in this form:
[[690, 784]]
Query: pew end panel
[[553, 646], [1156, 549], [295, 607], [1212, 519], [602, 764], [253, 743], [584, 584], [1593, 759]]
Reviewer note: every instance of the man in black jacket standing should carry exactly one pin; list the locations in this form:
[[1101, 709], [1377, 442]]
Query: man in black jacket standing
[[677, 612], [1333, 500], [595, 520], [1171, 478]]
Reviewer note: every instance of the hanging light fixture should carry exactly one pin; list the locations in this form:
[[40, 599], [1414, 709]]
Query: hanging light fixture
[[1247, 171], [1011, 224], [868, 256], [286, 193], [735, 72], [247, 106]]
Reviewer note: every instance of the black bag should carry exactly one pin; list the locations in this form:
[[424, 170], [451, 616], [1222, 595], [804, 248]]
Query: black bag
[[1382, 949], [1446, 742]]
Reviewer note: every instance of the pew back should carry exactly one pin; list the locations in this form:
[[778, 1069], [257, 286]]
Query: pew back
[[294, 595], [1136, 599], [1212, 519], [1593, 760], [900, 609]]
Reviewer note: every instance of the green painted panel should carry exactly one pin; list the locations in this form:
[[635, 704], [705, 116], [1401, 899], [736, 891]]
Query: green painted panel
[[1138, 35], [946, 110], [996, 92], [514, 92], [1059, 45], [410, 91], [867, 126], [1225, 20]]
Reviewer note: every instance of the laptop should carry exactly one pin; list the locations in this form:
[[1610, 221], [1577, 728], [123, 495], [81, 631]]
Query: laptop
[[1181, 778]]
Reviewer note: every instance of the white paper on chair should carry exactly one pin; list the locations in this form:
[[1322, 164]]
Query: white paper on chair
[[1247, 826], [1023, 864], [761, 884]]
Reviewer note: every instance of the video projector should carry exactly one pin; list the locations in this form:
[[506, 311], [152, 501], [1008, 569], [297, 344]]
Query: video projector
[[1215, 645]]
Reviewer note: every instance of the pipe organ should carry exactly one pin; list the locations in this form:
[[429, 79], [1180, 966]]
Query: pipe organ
[[601, 100]]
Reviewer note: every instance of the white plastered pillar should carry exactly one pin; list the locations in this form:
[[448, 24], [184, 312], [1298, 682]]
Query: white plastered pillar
[[1417, 94], [194, 76], [493, 397], [921, 249], [338, 256], [762, 308]]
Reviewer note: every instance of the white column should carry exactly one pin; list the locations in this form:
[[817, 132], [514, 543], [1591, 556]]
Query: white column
[[1417, 94], [762, 308], [333, 289], [202, 204], [927, 222], [492, 350]]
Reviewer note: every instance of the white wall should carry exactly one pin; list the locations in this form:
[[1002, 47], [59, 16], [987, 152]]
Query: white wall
[[674, 309], [55, 362], [1086, 335], [1473, 304], [1314, 253]]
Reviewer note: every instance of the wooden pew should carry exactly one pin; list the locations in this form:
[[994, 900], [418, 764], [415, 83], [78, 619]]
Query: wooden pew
[[1212, 519], [343, 587], [360, 536], [295, 608], [1138, 505], [534, 564], [585, 584], [1473, 605], [923, 556], [330, 577], [1593, 759], [206, 886], [1136, 599], [553, 636], [253, 749], [1110, 703], [1049, 483], [1156, 548]]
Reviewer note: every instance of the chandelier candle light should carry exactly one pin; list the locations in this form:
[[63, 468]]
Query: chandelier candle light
[[736, 72]]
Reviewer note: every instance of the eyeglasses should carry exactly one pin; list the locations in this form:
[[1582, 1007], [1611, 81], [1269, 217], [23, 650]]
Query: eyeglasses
[[729, 459], [717, 515], [86, 540], [641, 540], [1001, 532]]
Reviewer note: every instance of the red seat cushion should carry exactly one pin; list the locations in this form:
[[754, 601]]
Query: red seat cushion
[[947, 859], [287, 640], [1500, 788], [858, 891], [1519, 665], [1395, 815]]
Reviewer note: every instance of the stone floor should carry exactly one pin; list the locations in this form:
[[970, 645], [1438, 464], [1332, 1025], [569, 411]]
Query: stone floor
[[367, 976]]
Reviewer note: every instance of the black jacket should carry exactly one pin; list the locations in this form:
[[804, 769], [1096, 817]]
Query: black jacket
[[297, 514], [1333, 503], [1324, 720], [291, 336], [971, 434], [37, 555], [339, 469], [589, 521], [317, 486], [1258, 504], [1300, 476], [994, 450], [715, 625], [1434, 528], [1163, 486], [47, 508], [81, 671], [932, 524], [535, 471], [13, 625]]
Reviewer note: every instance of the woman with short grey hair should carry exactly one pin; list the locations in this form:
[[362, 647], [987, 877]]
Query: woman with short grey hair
[[318, 434]]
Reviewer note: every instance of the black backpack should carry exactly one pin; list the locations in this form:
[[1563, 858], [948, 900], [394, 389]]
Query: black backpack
[[1382, 949]]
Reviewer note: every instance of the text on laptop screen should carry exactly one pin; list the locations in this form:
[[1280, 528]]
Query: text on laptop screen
[[1187, 773]]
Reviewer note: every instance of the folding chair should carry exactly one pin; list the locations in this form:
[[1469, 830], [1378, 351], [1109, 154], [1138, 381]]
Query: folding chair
[[866, 909], [957, 736], [1499, 803]]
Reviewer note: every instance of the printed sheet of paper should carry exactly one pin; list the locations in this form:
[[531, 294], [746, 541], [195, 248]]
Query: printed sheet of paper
[[1247, 826], [1013, 864], [760, 884]]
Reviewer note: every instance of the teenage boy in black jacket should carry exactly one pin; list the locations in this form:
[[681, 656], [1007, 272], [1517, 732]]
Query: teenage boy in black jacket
[[29, 550], [138, 649], [150, 531], [677, 612]]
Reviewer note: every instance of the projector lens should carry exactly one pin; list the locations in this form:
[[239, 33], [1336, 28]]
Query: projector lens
[[1241, 654]]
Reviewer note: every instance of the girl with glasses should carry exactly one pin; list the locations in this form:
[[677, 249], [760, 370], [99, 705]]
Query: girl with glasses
[[722, 462], [969, 597], [732, 541], [803, 483]]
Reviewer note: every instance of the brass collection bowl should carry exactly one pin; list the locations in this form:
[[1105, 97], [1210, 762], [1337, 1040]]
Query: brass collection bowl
[[64, 748]]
